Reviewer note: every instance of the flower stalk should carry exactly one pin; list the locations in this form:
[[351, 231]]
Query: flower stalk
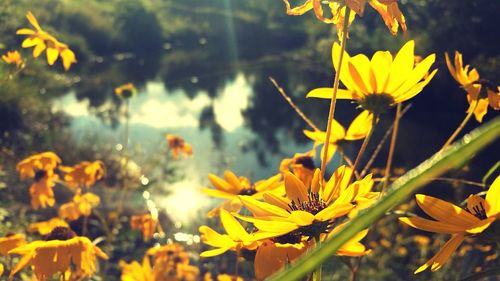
[[336, 81], [392, 146], [460, 127]]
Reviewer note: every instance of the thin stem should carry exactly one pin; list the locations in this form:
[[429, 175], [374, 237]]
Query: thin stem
[[460, 127], [349, 162], [336, 81], [392, 146], [381, 143], [317, 272], [293, 105], [363, 147], [355, 268], [85, 230], [444, 179]]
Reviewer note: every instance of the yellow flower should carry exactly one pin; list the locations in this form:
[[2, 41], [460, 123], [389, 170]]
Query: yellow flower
[[273, 256], [231, 186], [84, 174], [81, 205], [42, 40], [62, 252], [46, 227], [171, 262], [383, 82], [136, 272], [237, 237], [307, 211], [178, 146], [12, 57], [11, 241], [44, 161], [359, 129], [126, 90], [470, 81], [41, 191], [301, 164], [388, 9], [1, 269], [451, 219], [146, 224]]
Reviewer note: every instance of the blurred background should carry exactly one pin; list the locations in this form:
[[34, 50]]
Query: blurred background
[[202, 70]]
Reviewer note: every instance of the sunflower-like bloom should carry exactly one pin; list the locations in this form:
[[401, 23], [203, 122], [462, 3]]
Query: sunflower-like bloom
[[126, 90], [178, 146], [388, 9], [13, 57], [62, 252], [45, 161], [136, 272], [231, 186], [381, 82], [147, 224], [237, 237], [42, 40], [84, 174], [11, 241], [46, 227], [359, 129], [306, 211], [81, 205], [469, 79], [171, 263], [451, 219], [301, 164]]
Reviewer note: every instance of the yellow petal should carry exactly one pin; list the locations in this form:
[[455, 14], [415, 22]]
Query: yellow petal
[[218, 193], [438, 260], [258, 208], [416, 75], [445, 211], [432, 226], [271, 224], [493, 199], [213, 238], [233, 180], [31, 18], [52, 55], [295, 188], [481, 225], [25, 31], [345, 76], [279, 201], [302, 218], [359, 69], [360, 126], [416, 89], [39, 48], [380, 66], [332, 148], [333, 211], [68, 57], [232, 226], [327, 93], [299, 10], [222, 185], [401, 66], [31, 41], [214, 252], [480, 110]]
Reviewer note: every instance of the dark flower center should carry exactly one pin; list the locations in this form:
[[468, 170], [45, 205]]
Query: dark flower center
[[306, 162], [40, 174], [377, 103], [248, 191], [60, 233], [289, 238], [314, 205], [479, 211]]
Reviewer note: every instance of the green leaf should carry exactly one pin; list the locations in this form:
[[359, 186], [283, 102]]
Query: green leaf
[[399, 192]]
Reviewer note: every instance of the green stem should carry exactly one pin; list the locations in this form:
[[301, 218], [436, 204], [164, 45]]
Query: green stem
[[335, 88], [460, 127], [317, 272], [392, 146]]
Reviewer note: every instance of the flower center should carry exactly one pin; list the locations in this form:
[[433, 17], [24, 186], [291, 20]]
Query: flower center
[[60, 233], [377, 103], [306, 162], [479, 211], [293, 237], [248, 190], [314, 205], [40, 174]]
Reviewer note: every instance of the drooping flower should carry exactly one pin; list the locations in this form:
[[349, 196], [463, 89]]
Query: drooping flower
[[126, 90], [136, 272], [84, 174], [178, 146], [451, 219], [237, 237], [62, 252], [12, 57], [46, 227], [11, 241], [80, 205], [480, 92], [171, 263], [301, 164], [41, 190], [381, 82], [42, 40], [359, 129], [45, 161], [147, 224], [231, 186], [388, 9]]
